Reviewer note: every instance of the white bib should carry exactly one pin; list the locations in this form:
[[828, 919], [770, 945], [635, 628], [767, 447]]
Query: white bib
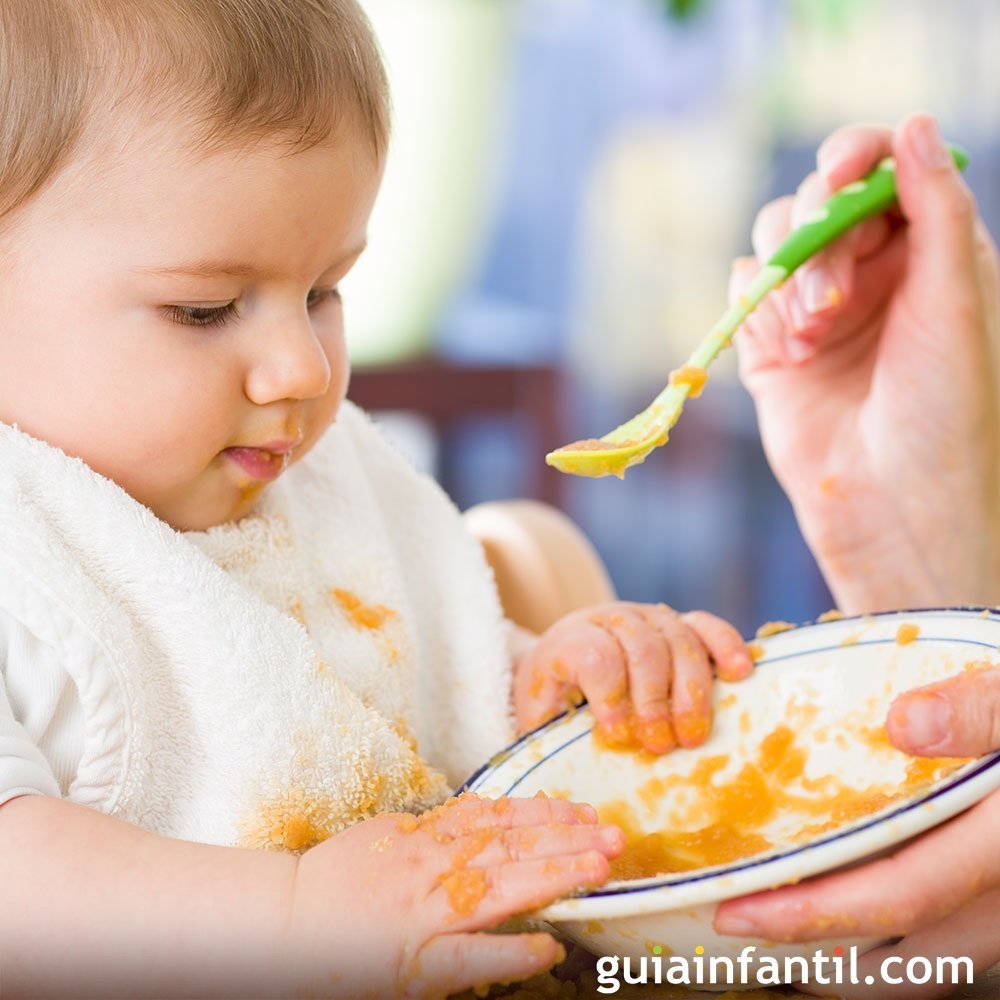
[[268, 682]]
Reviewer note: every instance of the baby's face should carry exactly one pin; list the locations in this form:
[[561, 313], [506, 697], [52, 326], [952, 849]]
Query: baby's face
[[172, 317]]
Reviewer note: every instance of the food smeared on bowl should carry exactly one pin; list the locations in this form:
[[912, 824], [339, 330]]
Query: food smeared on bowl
[[727, 819]]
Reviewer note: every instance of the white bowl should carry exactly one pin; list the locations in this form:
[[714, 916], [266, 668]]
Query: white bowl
[[832, 684]]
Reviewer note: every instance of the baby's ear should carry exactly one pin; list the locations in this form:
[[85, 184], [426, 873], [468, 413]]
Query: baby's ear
[[543, 564]]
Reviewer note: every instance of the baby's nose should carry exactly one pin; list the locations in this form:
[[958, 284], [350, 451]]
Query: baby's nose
[[292, 364]]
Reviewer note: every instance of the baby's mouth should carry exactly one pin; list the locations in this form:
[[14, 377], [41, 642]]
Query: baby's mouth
[[264, 463]]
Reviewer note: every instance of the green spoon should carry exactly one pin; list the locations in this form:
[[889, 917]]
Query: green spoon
[[630, 443]]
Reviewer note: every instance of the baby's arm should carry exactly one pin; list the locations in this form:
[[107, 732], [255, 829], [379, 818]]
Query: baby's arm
[[95, 907]]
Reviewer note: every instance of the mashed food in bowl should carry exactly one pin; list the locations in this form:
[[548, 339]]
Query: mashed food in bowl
[[728, 819]]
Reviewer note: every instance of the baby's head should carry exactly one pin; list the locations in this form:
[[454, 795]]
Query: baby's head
[[183, 183]]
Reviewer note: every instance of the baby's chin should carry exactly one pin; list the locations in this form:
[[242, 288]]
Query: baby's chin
[[211, 508], [227, 491]]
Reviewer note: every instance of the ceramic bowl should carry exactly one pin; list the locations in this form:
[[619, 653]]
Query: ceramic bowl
[[800, 739]]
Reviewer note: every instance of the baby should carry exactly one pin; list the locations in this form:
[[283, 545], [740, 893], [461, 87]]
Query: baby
[[243, 647]]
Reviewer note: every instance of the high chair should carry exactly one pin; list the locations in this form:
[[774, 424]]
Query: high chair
[[543, 564]]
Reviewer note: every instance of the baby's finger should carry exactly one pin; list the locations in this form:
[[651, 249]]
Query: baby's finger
[[467, 813], [725, 645], [470, 899], [541, 690], [453, 963], [598, 664], [648, 666], [691, 694], [526, 843]]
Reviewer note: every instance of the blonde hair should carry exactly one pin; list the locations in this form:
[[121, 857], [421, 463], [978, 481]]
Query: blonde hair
[[239, 70]]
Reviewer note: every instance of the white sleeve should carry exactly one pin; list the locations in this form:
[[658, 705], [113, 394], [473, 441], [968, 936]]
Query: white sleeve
[[34, 692]]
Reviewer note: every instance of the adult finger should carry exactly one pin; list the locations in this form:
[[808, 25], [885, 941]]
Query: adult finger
[[957, 717], [453, 963], [648, 666], [729, 652], [819, 285], [941, 212], [945, 953], [762, 337], [886, 898], [851, 152], [773, 223], [824, 284]]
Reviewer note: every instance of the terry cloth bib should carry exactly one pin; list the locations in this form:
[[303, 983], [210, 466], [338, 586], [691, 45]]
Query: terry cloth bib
[[338, 653]]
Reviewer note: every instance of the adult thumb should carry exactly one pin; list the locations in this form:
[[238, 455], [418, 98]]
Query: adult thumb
[[939, 207], [958, 717]]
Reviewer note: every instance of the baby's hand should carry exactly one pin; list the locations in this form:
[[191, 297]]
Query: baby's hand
[[393, 906], [645, 670]]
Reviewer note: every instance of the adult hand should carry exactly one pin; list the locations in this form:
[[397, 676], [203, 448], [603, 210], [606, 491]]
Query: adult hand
[[874, 377], [940, 894]]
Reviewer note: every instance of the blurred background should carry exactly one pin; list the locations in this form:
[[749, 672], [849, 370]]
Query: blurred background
[[568, 183]]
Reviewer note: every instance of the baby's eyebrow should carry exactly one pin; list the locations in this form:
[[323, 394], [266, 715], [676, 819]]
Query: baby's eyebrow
[[208, 268], [205, 269]]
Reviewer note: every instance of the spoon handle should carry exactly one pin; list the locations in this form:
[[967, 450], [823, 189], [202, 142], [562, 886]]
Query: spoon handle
[[852, 203]]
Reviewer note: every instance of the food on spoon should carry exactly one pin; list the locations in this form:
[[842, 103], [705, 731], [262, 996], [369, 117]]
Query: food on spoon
[[693, 378]]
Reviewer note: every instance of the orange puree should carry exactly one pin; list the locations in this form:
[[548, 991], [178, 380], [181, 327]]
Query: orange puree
[[722, 820], [905, 634], [593, 444], [773, 628], [363, 615], [693, 378], [465, 888]]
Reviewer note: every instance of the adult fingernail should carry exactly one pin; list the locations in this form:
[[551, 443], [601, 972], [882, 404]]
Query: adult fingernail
[[820, 291], [928, 720], [798, 315], [799, 349], [928, 144], [736, 926], [831, 154]]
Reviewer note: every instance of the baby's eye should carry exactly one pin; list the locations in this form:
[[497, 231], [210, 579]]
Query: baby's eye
[[319, 296], [202, 315]]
